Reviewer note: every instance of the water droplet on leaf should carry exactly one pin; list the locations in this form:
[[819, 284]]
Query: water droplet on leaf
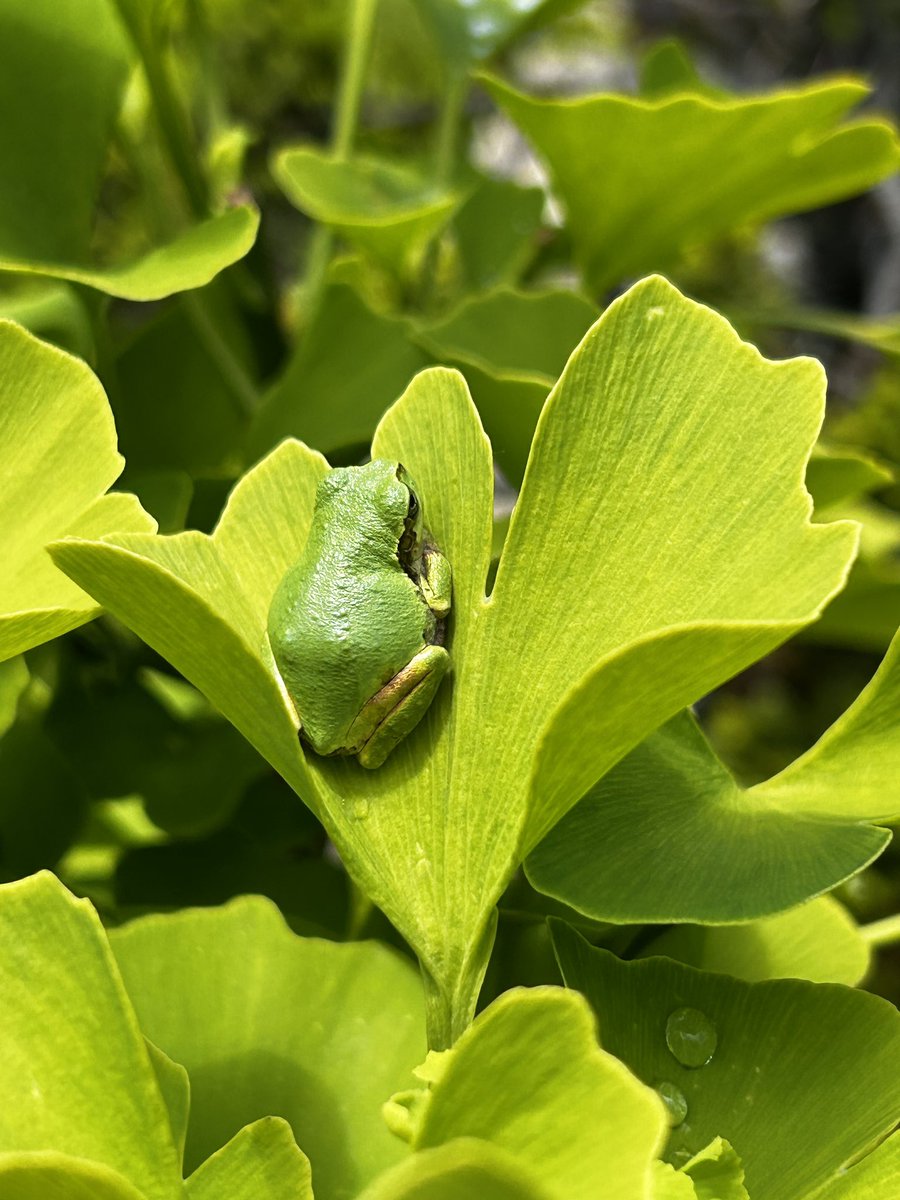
[[674, 1100], [691, 1036]]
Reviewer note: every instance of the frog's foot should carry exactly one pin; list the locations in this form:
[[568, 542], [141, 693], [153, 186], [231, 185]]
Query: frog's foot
[[435, 581], [395, 711]]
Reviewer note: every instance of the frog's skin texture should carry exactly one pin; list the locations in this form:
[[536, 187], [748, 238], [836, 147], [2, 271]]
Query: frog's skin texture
[[356, 625]]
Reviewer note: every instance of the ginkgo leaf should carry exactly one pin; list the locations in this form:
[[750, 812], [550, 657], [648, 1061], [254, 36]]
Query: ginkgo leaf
[[800, 1076], [661, 542], [76, 1075], [315, 1032], [626, 169], [387, 210], [58, 442], [648, 842]]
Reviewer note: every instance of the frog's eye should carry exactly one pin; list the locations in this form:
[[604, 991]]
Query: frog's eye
[[413, 510]]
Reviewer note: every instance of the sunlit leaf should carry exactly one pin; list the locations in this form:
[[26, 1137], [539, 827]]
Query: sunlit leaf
[[262, 1162], [873, 1178], [529, 1077], [57, 442], [817, 941], [671, 453], [75, 1073], [386, 210], [627, 170]]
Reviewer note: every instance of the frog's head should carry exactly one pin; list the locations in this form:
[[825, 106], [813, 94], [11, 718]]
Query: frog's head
[[382, 499]]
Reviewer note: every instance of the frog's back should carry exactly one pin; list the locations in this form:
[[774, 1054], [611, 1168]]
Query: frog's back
[[345, 620]]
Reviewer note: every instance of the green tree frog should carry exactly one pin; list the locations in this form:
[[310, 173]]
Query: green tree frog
[[356, 625]]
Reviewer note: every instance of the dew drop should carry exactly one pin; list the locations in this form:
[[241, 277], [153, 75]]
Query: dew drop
[[674, 1100], [691, 1036]]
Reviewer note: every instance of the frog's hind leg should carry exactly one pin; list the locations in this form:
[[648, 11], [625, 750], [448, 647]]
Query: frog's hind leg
[[395, 711]]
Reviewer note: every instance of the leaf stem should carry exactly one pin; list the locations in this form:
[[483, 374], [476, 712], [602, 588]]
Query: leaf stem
[[449, 124], [882, 933], [174, 123], [446, 144], [343, 136], [359, 38], [451, 1000]]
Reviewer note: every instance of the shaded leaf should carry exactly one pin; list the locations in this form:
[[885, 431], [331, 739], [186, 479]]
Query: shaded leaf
[[320, 401], [496, 231], [837, 475], [53, 148], [120, 740], [165, 494], [801, 1076], [311, 892], [316, 1032], [42, 805], [511, 345], [47, 1175], [14, 679], [667, 69], [867, 615], [648, 842], [51, 311], [176, 408], [457, 1170], [54, 135], [468, 31]]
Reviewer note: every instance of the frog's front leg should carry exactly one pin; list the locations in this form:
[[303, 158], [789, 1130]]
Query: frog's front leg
[[435, 581], [395, 710]]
